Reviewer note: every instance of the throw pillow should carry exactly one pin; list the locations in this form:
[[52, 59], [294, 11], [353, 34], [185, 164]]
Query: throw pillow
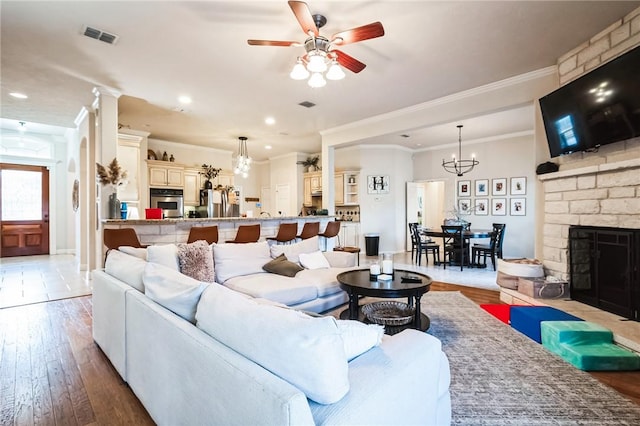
[[306, 352], [281, 266], [126, 268], [233, 260], [359, 337], [292, 251], [314, 260], [173, 290], [134, 251], [166, 255], [196, 260]]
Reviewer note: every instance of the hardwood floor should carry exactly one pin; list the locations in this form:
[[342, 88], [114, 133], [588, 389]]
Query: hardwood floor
[[52, 373]]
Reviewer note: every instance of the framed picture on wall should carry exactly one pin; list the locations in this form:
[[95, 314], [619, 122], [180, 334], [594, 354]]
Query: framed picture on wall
[[518, 206], [378, 184], [481, 207], [482, 187], [464, 206], [464, 188], [518, 186], [499, 186], [499, 206]]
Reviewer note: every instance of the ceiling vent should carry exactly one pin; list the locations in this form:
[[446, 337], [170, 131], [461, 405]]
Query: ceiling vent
[[307, 104], [99, 35]]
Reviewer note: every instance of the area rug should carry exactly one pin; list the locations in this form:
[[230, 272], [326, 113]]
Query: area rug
[[501, 377]]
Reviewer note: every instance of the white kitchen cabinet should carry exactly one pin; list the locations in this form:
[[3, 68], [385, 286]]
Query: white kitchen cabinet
[[192, 185], [162, 174], [349, 234], [312, 183], [346, 187], [224, 178]]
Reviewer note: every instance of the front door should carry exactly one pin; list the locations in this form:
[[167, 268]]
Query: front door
[[24, 210]]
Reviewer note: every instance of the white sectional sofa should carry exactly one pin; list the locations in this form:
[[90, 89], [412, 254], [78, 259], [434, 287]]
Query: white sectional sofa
[[204, 353]]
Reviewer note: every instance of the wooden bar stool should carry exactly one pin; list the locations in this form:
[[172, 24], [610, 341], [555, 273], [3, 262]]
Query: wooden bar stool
[[207, 233], [310, 229], [247, 234], [286, 233], [331, 231]]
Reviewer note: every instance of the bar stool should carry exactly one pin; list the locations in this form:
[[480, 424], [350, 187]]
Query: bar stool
[[331, 231], [207, 233], [247, 234], [310, 229], [286, 233], [114, 238]]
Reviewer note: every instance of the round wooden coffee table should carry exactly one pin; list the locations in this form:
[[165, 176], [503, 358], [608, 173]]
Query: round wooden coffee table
[[358, 283]]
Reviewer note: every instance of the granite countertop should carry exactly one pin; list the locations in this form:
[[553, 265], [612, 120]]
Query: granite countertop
[[210, 219]]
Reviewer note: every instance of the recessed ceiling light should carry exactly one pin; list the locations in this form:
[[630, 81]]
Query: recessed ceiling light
[[18, 95], [184, 99], [270, 121], [267, 147]]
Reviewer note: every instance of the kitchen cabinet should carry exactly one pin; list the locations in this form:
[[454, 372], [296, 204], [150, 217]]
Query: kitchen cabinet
[[131, 146], [224, 178], [349, 234], [346, 188], [192, 185], [312, 183], [162, 174]]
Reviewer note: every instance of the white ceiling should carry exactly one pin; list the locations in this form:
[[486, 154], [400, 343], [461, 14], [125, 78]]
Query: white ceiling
[[430, 49]]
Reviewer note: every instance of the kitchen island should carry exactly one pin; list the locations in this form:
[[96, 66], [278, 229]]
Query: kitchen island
[[167, 231]]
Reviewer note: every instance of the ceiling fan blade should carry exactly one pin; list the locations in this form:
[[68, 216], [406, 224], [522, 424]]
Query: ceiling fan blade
[[353, 35], [349, 62], [304, 17], [274, 43]]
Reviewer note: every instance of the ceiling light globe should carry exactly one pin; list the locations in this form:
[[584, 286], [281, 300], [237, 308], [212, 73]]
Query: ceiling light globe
[[317, 80], [299, 72], [335, 72], [316, 63], [245, 175]]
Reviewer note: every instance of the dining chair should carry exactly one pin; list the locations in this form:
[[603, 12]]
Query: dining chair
[[114, 238], [207, 233], [492, 249], [330, 231], [247, 234], [454, 247], [286, 233], [424, 245], [309, 230]]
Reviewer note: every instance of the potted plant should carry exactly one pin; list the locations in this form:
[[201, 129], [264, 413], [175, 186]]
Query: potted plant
[[114, 176], [209, 172], [311, 163]]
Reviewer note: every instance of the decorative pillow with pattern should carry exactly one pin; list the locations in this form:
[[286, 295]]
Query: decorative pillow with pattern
[[196, 261]]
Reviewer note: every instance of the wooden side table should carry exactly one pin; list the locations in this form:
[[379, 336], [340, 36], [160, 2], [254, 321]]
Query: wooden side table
[[355, 250]]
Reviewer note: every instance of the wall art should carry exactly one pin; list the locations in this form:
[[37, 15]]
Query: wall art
[[482, 187], [464, 188], [518, 206], [499, 186], [481, 207], [518, 186], [378, 184], [499, 206]]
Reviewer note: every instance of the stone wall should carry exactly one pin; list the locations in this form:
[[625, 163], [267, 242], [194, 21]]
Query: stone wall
[[592, 189]]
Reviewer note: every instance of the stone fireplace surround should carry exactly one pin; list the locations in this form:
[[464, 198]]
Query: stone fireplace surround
[[605, 194]]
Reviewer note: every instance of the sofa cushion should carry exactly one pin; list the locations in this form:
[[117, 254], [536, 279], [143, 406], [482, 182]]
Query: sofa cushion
[[306, 352], [232, 260], [324, 280], [359, 337], [281, 266], [315, 260], [292, 251], [196, 260], [166, 255], [126, 268], [138, 252], [173, 290], [281, 289]]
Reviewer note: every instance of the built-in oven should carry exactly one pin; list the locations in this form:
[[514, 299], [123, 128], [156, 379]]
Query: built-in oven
[[171, 201]]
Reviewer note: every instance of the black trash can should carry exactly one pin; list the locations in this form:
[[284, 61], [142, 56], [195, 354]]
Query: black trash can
[[372, 242]]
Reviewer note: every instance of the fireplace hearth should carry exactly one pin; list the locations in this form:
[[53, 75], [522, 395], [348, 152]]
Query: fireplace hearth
[[604, 268]]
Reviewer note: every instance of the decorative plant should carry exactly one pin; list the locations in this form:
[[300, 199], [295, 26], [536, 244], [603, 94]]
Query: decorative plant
[[209, 172], [310, 162], [112, 175]]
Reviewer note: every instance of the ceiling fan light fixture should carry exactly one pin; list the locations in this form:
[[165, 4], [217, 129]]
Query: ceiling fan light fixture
[[299, 72], [317, 80], [335, 71], [316, 62]]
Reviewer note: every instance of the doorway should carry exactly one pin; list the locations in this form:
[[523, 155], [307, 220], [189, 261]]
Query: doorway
[[24, 210], [425, 205]]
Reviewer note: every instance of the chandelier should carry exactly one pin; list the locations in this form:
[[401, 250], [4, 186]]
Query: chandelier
[[318, 60], [243, 161], [460, 166]]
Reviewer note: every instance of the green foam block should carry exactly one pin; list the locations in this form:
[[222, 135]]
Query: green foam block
[[553, 333]]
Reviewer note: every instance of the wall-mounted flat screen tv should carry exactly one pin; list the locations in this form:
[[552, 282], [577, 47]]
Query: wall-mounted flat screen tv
[[599, 108]]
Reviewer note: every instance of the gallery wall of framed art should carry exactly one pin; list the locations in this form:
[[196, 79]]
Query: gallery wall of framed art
[[492, 197]]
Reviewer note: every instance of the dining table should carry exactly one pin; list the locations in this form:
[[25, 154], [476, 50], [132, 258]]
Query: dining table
[[467, 234]]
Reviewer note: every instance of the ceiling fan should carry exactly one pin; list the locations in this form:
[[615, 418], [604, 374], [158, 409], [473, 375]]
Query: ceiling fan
[[321, 52]]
